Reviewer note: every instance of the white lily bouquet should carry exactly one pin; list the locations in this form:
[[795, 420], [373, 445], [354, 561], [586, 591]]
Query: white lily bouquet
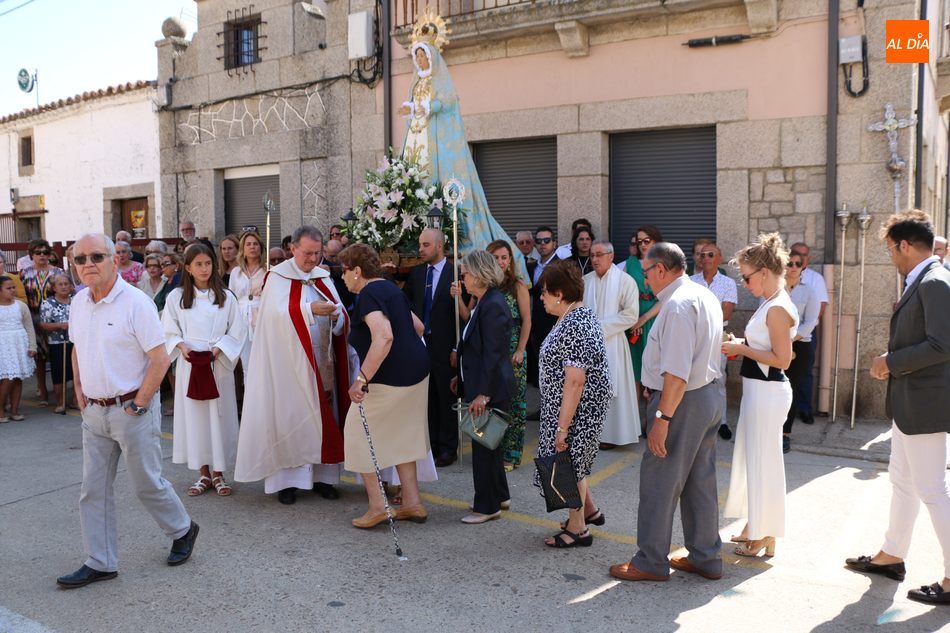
[[392, 210]]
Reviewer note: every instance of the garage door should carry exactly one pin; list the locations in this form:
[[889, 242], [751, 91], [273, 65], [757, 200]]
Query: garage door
[[243, 205]]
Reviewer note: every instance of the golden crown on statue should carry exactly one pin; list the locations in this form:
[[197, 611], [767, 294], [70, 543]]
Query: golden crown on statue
[[430, 29]]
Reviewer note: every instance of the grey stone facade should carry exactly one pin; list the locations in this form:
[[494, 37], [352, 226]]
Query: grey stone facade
[[294, 108]]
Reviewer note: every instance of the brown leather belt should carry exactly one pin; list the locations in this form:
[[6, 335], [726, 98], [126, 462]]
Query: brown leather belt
[[118, 401]]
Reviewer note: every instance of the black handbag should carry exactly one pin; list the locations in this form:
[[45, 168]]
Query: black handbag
[[558, 482]]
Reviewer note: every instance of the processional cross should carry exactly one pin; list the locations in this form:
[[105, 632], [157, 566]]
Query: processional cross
[[891, 125]]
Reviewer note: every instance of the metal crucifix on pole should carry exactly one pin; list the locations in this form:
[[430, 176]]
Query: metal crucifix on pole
[[891, 125]]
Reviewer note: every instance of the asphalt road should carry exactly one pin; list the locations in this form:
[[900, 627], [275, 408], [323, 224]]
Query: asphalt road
[[261, 566]]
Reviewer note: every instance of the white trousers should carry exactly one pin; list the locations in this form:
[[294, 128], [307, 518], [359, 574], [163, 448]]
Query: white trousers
[[918, 469], [107, 433]]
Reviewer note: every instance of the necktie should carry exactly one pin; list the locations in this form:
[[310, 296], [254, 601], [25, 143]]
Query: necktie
[[427, 306]]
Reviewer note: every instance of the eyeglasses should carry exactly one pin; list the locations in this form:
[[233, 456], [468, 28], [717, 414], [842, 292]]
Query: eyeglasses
[[649, 268], [704, 255], [795, 264], [645, 240], [595, 255], [523, 242], [95, 258], [543, 240], [888, 247], [336, 234], [41, 252], [167, 264]]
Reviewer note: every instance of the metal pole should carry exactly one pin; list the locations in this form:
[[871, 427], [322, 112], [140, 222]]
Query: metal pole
[[458, 326], [844, 219], [382, 488], [864, 220]]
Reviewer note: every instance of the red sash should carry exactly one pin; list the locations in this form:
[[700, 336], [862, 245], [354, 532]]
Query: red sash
[[331, 448], [342, 357]]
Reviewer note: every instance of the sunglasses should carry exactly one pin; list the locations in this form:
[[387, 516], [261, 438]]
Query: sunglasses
[[46, 253], [703, 255], [794, 264], [746, 278], [543, 240], [276, 260], [167, 264], [645, 240], [95, 258], [335, 234]]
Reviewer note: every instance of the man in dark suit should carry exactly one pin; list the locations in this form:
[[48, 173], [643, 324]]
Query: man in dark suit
[[541, 321], [428, 292], [917, 370]]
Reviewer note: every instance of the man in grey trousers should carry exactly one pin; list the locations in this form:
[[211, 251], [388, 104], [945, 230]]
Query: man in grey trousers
[[680, 365], [119, 361]]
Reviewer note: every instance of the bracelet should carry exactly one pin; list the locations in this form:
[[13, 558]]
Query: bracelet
[[565, 431], [362, 378]]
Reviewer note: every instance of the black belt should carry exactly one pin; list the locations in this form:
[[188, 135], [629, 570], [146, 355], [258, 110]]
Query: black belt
[[117, 401]]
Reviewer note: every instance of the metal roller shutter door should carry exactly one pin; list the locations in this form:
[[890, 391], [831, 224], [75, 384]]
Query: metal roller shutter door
[[666, 178], [244, 205], [520, 181]]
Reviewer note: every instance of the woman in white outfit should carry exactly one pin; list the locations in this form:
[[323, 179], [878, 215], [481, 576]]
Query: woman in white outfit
[[757, 484], [246, 282]]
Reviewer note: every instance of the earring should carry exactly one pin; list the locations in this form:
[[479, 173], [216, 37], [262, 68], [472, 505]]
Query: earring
[[559, 302]]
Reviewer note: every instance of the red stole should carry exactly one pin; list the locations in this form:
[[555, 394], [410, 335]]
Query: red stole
[[332, 445]]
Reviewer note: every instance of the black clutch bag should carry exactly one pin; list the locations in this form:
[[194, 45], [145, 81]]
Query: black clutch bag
[[558, 482]]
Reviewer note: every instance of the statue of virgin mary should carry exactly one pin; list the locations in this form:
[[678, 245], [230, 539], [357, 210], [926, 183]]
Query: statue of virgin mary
[[435, 137]]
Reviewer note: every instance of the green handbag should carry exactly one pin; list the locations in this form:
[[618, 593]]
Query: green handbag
[[487, 429]]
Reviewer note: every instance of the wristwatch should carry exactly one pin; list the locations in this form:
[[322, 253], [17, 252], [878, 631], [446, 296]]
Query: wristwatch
[[137, 410], [661, 416]]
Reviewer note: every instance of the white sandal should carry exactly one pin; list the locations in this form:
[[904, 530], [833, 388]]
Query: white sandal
[[221, 486], [200, 487]]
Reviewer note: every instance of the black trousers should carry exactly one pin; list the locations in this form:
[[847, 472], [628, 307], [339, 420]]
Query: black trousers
[[800, 365], [488, 474], [443, 422], [57, 351]]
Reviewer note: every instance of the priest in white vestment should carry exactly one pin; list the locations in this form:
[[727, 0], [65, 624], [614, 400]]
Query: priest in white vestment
[[298, 379], [613, 296]]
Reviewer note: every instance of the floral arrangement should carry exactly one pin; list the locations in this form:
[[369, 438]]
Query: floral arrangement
[[392, 210]]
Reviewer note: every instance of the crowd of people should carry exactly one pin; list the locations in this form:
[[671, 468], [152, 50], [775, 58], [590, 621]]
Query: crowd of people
[[291, 368]]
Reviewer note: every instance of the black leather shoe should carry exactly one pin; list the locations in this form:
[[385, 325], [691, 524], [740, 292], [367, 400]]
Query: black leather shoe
[[326, 491], [896, 571], [445, 459], [182, 547], [786, 443], [287, 496], [930, 594], [83, 576], [725, 432], [808, 418]]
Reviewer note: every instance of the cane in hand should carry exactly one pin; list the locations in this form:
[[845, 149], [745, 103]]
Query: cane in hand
[[379, 480]]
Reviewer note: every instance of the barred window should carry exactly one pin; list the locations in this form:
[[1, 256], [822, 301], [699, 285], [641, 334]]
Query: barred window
[[242, 42]]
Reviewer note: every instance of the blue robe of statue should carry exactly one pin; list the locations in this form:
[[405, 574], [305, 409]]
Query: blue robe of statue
[[435, 137]]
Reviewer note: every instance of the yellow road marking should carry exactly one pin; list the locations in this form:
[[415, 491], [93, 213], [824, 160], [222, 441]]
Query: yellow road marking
[[595, 478]]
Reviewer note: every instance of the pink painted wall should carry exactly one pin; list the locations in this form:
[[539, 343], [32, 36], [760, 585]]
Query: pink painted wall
[[784, 74]]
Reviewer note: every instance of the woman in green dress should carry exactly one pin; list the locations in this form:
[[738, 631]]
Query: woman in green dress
[[519, 302], [641, 241]]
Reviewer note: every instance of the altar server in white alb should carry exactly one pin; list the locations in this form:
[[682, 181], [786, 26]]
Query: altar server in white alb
[[298, 379], [613, 296], [204, 333]]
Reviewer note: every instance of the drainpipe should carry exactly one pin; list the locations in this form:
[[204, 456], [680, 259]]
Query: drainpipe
[[831, 200], [918, 160], [387, 77]]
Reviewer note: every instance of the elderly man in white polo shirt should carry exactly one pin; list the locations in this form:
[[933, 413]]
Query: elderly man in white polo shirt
[[119, 361], [708, 261]]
